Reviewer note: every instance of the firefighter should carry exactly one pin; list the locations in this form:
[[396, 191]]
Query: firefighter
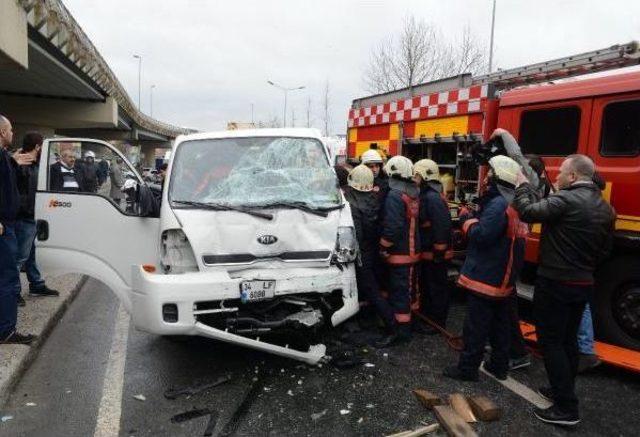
[[400, 246], [364, 210], [495, 254], [435, 234], [372, 159]]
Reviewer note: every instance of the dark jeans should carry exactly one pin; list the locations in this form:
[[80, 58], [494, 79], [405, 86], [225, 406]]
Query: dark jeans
[[26, 236], [487, 319], [9, 281], [369, 291], [558, 309], [435, 291], [517, 346]]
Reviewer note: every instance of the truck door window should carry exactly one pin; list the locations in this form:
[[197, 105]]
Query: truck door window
[[550, 132], [621, 129], [91, 168]]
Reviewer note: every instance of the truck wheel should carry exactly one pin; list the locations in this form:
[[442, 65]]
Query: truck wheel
[[617, 302]]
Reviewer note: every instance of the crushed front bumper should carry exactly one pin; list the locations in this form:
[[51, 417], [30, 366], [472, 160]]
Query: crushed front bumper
[[151, 293]]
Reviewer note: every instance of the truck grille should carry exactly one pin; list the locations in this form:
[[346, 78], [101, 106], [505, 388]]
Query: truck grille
[[247, 258]]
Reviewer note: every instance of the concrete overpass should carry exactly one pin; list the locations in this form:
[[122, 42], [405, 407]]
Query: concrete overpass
[[52, 79]]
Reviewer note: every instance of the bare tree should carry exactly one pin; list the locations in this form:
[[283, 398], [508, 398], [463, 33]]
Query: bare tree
[[293, 117], [420, 54], [308, 111], [273, 121], [326, 103]]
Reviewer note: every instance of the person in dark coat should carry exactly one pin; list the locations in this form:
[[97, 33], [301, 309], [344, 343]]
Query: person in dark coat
[[364, 211], [577, 235], [400, 247], [89, 173], [495, 255], [64, 175], [27, 177], [435, 234], [9, 206]]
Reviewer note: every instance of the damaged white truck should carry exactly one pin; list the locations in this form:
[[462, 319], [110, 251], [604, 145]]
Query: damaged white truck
[[252, 244]]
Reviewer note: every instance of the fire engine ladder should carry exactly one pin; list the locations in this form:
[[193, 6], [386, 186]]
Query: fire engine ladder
[[617, 56]]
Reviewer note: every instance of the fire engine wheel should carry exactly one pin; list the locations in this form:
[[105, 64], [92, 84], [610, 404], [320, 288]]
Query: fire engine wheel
[[617, 317]]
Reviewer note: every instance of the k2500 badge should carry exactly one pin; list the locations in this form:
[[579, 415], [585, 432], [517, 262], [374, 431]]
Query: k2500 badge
[[267, 239], [53, 203]]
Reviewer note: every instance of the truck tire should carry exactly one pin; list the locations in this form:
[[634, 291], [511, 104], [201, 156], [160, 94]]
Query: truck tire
[[617, 302]]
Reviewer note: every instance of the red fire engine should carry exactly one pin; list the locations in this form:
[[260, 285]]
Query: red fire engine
[[597, 116]]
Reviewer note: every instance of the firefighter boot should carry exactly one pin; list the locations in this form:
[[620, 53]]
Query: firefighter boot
[[398, 335]]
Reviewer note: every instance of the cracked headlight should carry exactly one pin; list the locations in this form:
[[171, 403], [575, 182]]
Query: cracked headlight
[[346, 245], [177, 254]]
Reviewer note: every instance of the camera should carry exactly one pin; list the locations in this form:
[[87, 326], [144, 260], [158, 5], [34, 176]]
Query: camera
[[482, 153]]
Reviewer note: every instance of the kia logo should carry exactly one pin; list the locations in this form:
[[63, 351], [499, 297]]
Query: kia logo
[[267, 239]]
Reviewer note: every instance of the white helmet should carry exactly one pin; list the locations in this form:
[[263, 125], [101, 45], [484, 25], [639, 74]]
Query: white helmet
[[371, 156], [505, 173], [399, 166], [361, 178], [427, 169], [90, 154]]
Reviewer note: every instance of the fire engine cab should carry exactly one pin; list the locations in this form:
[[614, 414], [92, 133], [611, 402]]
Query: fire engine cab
[[552, 113]]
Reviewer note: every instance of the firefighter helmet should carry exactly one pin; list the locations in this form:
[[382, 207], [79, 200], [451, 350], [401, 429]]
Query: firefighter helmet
[[427, 169], [400, 167], [361, 178], [505, 174], [371, 157]]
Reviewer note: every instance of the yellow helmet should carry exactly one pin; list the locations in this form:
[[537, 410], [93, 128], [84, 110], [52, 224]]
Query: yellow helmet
[[427, 169], [400, 166], [361, 178], [371, 157]]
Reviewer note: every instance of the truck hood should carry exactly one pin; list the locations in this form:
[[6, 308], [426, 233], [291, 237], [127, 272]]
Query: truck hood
[[230, 238]]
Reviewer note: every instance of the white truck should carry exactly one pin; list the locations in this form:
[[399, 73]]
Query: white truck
[[252, 244]]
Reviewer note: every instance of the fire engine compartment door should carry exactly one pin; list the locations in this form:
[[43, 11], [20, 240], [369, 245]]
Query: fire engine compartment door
[[94, 229]]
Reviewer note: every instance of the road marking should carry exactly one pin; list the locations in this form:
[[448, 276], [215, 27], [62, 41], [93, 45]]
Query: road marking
[[108, 422], [521, 390]]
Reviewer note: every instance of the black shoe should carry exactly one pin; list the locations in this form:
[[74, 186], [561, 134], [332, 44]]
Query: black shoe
[[454, 372], [555, 416], [21, 301], [519, 363], [44, 291], [587, 362], [17, 338], [546, 393], [491, 371], [390, 340]]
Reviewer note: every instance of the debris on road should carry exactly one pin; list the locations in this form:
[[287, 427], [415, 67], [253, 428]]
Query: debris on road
[[428, 399], [484, 408], [453, 424], [213, 420], [193, 390], [369, 365], [190, 415], [234, 421], [460, 405], [344, 412], [289, 392], [6, 418], [31, 404], [316, 416], [417, 432], [140, 397]]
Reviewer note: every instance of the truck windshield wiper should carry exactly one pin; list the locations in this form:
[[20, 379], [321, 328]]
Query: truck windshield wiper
[[223, 207], [320, 211]]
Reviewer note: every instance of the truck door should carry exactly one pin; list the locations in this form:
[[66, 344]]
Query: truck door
[[86, 214]]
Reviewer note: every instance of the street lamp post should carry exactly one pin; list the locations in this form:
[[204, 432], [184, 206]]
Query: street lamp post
[[151, 100], [139, 58], [493, 25], [285, 90]]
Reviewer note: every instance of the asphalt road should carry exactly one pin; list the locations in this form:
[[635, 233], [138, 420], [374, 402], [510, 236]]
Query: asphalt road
[[85, 378]]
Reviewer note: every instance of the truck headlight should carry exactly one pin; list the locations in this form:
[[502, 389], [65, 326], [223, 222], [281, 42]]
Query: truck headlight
[[346, 245], [176, 253]]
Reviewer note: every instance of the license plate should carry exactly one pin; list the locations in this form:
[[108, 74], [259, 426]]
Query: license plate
[[251, 291]]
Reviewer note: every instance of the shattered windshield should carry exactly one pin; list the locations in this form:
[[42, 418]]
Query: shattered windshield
[[254, 172]]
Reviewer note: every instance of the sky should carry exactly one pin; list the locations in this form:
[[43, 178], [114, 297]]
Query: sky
[[210, 60]]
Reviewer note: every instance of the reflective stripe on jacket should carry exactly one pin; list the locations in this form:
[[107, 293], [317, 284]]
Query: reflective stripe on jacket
[[400, 233]]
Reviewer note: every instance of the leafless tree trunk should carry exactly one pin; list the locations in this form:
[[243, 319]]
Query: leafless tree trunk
[[326, 116], [420, 54], [293, 117]]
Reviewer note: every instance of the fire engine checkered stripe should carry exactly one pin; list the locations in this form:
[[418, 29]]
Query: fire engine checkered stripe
[[456, 102]]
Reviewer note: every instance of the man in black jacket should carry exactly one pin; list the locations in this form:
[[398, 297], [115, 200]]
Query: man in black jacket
[[9, 204], [577, 233], [25, 224], [64, 175]]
